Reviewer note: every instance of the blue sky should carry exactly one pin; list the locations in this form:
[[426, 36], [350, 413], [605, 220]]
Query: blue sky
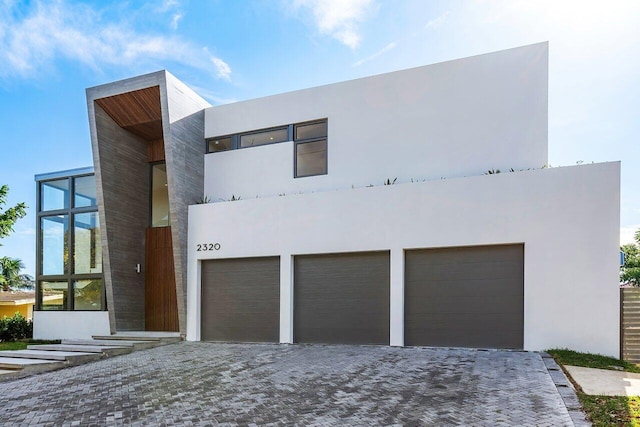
[[230, 50]]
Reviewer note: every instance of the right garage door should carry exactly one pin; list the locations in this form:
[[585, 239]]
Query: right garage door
[[465, 297]]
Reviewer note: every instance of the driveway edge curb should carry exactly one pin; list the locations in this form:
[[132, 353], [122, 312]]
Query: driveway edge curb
[[566, 390]]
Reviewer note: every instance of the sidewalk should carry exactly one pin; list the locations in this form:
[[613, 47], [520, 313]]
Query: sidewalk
[[605, 382]]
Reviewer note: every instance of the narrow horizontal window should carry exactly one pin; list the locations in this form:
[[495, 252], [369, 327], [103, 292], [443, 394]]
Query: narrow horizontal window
[[269, 136], [220, 144], [311, 158]]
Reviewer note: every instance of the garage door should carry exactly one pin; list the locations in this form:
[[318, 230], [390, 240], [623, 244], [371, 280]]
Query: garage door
[[241, 300], [465, 297], [342, 298]]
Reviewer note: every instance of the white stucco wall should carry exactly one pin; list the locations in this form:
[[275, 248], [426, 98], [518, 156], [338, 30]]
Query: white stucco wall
[[55, 325], [567, 218], [452, 119]]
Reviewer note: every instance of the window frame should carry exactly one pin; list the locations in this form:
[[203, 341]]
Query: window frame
[[70, 276], [302, 141], [291, 137]]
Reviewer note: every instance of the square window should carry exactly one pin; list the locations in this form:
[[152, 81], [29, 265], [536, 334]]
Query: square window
[[87, 294], [311, 130], [54, 295]]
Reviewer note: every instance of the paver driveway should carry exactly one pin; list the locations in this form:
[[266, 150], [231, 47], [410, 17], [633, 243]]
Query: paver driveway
[[218, 384]]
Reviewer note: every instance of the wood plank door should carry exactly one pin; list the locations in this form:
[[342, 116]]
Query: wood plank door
[[161, 308]]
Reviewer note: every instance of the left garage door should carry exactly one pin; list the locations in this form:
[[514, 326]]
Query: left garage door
[[241, 300]]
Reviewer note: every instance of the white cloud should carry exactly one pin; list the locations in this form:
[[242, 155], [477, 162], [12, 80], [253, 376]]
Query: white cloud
[[174, 21], [337, 18], [223, 69], [437, 22], [32, 42], [168, 5], [382, 51], [627, 233]]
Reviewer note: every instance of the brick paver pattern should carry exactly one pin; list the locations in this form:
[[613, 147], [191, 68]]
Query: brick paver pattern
[[311, 385]]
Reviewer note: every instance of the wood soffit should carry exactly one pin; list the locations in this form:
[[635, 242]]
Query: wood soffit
[[138, 111]]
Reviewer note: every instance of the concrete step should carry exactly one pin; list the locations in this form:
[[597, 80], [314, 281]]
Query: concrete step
[[73, 357], [33, 365], [108, 350], [165, 337], [134, 344]]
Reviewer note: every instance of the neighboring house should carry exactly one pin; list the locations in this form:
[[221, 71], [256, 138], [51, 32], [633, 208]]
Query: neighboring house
[[21, 302], [359, 212]]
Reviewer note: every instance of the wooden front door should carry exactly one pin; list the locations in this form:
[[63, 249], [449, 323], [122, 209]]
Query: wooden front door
[[161, 308]]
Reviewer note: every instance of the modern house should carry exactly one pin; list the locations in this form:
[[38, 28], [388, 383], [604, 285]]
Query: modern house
[[409, 208]]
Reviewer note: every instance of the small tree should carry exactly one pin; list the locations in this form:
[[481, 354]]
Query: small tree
[[10, 276], [9, 216], [630, 271]]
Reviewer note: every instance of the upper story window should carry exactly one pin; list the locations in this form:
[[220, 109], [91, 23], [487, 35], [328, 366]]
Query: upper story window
[[263, 137], [311, 149], [310, 144]]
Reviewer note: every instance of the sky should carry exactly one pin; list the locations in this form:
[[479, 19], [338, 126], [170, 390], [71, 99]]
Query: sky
[[232, 50]]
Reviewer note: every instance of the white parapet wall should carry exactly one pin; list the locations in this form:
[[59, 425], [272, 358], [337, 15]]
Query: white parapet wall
[[451, 119], [567, 218], [55, 325]]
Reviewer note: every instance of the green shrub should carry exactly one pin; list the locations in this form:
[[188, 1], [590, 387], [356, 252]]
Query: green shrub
[[15, 328]]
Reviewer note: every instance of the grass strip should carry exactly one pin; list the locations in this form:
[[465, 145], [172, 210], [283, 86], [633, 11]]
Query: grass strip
[[587, 360]]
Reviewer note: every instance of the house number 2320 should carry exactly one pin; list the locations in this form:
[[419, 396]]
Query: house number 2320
[[208, 247]]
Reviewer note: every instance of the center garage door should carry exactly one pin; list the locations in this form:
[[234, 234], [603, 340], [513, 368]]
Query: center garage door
[[342, 298], [465, 297], [241, 300]]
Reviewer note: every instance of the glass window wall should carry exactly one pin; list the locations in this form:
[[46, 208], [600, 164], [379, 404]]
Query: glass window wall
[[69, 272]]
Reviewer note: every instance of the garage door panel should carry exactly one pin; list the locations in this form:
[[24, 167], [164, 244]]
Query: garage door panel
[[470, 287], [241, 300], [342, 298], [466, 297], [240, 334], [464, 271]]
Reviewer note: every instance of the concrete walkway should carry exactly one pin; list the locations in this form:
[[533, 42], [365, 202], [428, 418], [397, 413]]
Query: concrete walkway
[[38, 358], [207, 384], [605, 382]]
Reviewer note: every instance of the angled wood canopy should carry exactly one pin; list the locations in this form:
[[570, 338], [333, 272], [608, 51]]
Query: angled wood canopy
[[138, 112]]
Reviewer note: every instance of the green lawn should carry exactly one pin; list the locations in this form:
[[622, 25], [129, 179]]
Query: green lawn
[[603, 410], [573, 358], [22, 344], [13, 345]]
